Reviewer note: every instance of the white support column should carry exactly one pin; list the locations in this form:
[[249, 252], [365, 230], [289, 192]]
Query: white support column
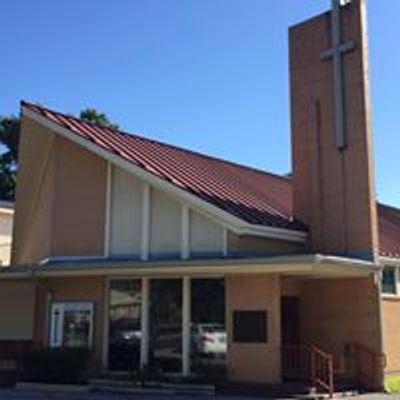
[[186, 318], [185, 232], [225, 242], [108, 210], [144, 343], [145, 245]]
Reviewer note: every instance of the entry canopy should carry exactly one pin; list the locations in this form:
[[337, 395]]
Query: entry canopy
[[311, 265]]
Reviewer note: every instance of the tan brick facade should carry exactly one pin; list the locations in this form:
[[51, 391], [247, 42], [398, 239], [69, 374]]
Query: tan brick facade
[[333, 189], [253, 245], [391, 332], [77, 290], [254, 362], [336, 312], [61, 196]]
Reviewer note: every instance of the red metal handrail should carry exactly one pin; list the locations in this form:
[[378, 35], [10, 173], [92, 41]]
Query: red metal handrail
[[365, 364], [321, 369], [309, 362]]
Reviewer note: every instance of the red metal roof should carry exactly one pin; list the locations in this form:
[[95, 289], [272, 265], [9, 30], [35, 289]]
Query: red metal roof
[[389, 230], [255, 196]]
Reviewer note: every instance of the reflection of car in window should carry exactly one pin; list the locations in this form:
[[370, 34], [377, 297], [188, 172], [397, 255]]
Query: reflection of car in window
[[125, 329], [209, 339], [168, 341], [124, 350]]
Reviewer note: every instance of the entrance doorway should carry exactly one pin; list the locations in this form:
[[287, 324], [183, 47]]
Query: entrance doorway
[[290, 338], [290, 321], [125, 328], [172, 325], [165, 351]]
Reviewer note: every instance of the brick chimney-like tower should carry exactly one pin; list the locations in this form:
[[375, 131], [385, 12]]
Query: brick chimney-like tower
[[333, 179]]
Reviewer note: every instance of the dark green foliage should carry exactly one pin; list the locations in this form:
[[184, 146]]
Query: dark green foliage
[[63, 366], [9, 137], [9, 140], [92, 115]]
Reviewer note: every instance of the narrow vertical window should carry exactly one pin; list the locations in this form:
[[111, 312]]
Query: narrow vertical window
[[389, 284]]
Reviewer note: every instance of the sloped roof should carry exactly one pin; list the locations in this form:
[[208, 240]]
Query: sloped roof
[[389, 230], [255, 196]]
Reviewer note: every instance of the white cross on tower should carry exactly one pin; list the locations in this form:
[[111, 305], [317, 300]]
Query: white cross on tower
[[336, 52]]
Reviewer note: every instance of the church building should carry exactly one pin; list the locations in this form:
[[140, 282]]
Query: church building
[[150, 255]]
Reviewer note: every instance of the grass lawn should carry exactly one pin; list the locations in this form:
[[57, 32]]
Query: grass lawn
[[392, 383]]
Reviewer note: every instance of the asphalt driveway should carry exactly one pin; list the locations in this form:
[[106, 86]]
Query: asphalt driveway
[[10, 394]]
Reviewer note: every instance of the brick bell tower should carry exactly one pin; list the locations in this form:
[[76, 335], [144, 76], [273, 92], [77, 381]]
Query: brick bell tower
[[333, 178]]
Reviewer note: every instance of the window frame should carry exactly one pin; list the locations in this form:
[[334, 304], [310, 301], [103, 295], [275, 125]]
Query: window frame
[[56, 328], [396, 270]]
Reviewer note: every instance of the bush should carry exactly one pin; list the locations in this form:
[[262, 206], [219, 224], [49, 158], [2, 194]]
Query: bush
[[392, 384], [64, 366]]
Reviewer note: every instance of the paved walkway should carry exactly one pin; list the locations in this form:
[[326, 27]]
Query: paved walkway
[[9, 394]]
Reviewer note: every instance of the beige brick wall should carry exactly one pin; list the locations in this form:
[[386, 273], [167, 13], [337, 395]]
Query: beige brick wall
[[256, 362], [17, 299], [72, 289], [391, 333], [333, 190], [60, 198], [78, 218], [336, 312], [247, 244], [34, 194]]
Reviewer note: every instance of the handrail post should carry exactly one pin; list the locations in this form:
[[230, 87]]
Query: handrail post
[[366, 362], [330, 372], [312, 362]]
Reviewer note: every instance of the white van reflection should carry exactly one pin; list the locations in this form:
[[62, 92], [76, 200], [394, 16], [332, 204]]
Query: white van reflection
[[209, 340]]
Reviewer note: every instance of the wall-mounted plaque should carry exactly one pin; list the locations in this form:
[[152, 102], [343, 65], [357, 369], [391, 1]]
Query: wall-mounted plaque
[[250, 326]]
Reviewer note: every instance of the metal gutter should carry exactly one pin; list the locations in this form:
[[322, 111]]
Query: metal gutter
[[313, 265]]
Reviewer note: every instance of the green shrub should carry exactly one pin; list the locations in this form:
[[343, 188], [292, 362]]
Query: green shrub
[[392, 384], [64, 366]]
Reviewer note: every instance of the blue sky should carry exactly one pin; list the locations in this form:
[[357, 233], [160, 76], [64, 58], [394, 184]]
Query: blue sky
[[210, 75]]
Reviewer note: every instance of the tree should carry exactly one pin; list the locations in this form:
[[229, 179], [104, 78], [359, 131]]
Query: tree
[[99, 118], [9, 136], [9, 139]]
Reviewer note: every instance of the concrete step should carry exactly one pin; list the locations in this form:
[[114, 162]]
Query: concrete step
[[345, 389], [155, 388]]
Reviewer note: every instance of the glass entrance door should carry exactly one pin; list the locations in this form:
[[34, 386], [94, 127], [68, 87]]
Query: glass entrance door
[[165, 350], [125, 300], [208, 331], [158, 339]]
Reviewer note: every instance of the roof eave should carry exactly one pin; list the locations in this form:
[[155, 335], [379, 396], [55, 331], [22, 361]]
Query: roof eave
[[311, 266], [387, 259]]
